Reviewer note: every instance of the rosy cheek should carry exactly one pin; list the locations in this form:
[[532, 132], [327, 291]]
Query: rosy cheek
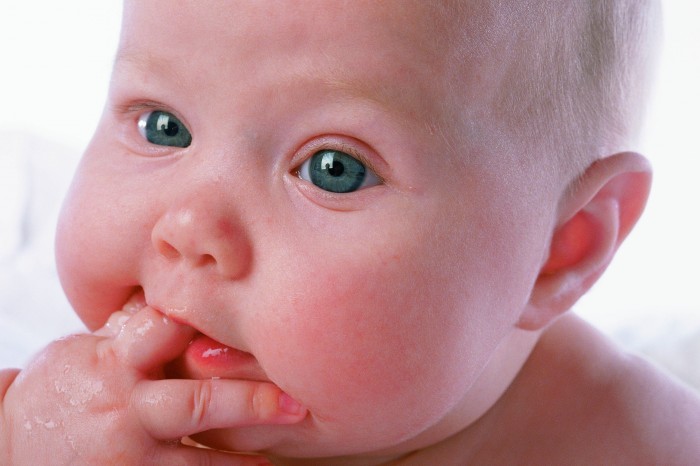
[[94, 260], [349, 350]]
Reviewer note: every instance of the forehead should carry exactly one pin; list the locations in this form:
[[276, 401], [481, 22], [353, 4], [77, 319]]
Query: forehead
[[352, 45], [412, 26], [420, 58]]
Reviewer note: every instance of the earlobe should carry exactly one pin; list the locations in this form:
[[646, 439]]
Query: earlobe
[[594, 217]]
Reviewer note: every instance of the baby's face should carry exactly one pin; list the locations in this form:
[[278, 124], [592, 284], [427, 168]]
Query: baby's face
[[328, 217]]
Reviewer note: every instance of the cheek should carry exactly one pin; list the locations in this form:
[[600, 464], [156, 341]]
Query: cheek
[[383, 344], [95, 247], [361, 357], [384, 340]]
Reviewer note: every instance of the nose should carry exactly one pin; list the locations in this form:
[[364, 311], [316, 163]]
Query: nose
[[205, 235]]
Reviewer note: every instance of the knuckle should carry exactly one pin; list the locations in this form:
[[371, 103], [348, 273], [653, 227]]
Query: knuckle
[[262, 401], [201, 402]]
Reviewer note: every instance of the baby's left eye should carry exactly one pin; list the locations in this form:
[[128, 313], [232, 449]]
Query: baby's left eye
[[164, 129], [337, 172]]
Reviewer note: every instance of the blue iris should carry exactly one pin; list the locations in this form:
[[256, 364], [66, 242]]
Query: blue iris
[[335, 171], [164, 129]]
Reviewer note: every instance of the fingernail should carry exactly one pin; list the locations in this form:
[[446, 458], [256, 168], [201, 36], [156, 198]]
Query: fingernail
[[289, 405]]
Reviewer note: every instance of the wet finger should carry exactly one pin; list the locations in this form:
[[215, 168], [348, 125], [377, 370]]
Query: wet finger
[[118, 319], [171, 409], [114, 324], [149, 339]]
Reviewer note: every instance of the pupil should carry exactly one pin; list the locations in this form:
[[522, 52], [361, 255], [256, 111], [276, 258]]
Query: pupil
[[335, 169], [170, 128]]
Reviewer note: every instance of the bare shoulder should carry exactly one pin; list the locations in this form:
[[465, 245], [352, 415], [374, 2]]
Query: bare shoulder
[[580, 399], [644, 411], [661, 410]]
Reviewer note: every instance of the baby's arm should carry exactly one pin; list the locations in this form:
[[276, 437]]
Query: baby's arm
[[99, 399]]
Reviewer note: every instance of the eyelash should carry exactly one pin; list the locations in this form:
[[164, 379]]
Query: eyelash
[[132, 112], [135, 110], [323, 143]]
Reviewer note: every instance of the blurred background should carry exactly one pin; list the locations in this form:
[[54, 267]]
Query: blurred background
[[56, 59]]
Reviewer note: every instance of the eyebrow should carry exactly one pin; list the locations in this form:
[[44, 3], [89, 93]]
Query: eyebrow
[[146, 63], [393, 98]]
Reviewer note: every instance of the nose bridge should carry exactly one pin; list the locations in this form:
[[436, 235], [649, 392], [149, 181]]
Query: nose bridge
[[203, 228]]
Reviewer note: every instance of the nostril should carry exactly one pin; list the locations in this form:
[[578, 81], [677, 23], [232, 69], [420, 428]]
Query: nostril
[[207, 259], [167, 250]]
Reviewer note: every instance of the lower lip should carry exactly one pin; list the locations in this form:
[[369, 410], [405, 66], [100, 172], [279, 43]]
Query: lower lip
[[211, 358]]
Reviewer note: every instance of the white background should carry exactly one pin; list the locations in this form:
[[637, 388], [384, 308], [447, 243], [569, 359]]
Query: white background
[[54, 70]]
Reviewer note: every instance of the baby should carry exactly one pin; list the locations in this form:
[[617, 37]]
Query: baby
[[348, 233]]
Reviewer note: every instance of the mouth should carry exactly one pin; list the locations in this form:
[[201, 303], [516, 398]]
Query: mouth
[[207, 358], [204, 357]]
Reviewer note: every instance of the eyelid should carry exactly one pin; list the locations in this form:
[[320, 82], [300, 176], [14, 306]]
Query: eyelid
[[363, 159], [131, 113], [138, 108], [339, 143]]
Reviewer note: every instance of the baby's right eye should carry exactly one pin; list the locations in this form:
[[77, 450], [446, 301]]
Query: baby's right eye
[[164, 129]]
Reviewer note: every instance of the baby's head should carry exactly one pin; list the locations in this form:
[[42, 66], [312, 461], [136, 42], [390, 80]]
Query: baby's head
[[375, 200]]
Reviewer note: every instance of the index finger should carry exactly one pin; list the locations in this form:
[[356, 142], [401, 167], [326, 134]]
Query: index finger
[[170, 409], [149, 339]]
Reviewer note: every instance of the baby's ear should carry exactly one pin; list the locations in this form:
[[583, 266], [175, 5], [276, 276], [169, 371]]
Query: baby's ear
[[594, 217]]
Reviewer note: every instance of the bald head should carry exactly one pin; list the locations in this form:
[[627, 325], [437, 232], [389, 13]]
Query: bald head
[[572, 77]]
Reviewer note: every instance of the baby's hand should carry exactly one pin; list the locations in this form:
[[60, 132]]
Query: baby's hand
[[98, 399]]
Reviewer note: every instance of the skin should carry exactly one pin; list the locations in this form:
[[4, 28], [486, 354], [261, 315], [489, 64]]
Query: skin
[[84, 389], [205, 248], [401, 316]]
